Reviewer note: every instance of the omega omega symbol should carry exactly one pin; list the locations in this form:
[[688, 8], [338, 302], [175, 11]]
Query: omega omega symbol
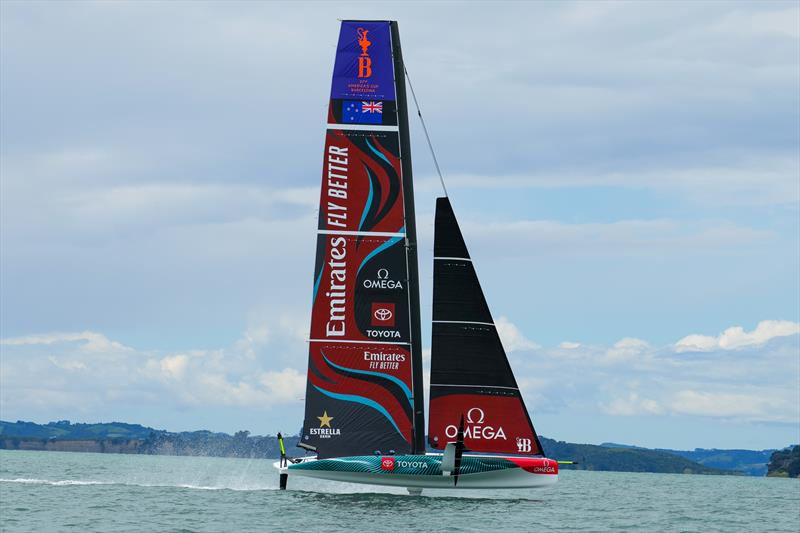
[[477, 428], [382, 281], [479, 419]]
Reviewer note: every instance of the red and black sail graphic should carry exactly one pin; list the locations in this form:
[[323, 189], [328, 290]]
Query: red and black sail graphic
[[470, 373], [359, 397]]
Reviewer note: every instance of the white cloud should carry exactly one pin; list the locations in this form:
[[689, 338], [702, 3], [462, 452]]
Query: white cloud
[[696, 343], [67, 364], [174, 366], [70, 373], [633, 404], [524, 238], [753, 181], [166, 188], [89, 341], [761, 405], [777, 21], [84, 371], [736, 337], [512, 338], [286, 385], [633, 377], [568, 345], [626, 349]]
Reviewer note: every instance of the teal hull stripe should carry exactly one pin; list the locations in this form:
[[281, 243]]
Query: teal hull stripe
[[364, 401], [369, 198], [398, 381], [391, 242], [378, 153], [372, 464]]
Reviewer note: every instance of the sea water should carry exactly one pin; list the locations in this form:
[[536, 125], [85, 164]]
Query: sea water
[[59, 491]]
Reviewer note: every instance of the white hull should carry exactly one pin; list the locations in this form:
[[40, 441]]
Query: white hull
[[506, 478]]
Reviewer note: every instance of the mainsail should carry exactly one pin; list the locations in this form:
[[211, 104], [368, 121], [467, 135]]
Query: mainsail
[[470, 374], [364, 392]]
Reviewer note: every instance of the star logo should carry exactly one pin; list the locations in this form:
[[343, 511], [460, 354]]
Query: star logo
[[325, 420]]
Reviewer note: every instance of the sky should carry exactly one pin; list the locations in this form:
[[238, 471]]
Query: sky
[[626, 175]]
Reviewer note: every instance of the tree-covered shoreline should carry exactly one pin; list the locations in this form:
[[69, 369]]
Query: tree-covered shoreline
[[119, 437]]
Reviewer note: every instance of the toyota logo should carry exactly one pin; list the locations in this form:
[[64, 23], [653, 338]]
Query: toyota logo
[[383, 314]]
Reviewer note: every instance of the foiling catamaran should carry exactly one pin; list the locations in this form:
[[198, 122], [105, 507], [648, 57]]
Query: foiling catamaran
[[364, 416]]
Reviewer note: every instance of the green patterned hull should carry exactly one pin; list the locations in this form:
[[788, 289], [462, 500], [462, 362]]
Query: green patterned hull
[[425, 471]]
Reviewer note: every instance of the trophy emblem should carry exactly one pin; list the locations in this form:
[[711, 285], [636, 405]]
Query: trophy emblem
[[363, 42]]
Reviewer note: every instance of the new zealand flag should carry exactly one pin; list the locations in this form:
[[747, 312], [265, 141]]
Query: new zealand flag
[[362, 112]]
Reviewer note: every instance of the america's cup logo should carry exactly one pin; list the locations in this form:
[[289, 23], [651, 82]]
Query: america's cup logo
[[363, 42], [364, 61]]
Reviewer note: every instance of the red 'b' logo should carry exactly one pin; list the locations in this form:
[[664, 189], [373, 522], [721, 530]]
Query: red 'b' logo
[[387, 463], [364, 67]]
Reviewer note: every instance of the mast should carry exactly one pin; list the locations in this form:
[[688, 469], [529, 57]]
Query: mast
[[418, 443]]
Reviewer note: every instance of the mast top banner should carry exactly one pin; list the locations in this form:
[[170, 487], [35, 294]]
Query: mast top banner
[[364, 67]]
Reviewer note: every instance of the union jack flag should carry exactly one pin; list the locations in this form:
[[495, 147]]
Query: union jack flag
[[372, 107]]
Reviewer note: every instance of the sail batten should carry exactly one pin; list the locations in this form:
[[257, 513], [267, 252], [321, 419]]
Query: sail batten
[[361, 127], [360, 393], [470, 373]]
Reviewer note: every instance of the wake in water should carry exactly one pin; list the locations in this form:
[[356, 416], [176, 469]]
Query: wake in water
[[68, 482], [57, 483], [340, 496]]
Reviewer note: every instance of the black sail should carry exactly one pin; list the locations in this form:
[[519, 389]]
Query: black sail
[[470, 373]]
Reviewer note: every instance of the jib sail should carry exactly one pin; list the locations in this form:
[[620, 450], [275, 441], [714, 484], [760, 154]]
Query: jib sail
[[470, 374], [360, 391]]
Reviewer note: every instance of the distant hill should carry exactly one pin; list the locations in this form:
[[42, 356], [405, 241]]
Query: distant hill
[[119, 437], [625, 459], [65, 430], [750, 462], [785, 463]]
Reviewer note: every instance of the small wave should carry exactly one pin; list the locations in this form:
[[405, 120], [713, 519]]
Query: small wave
[[65, 482], [49, 482]]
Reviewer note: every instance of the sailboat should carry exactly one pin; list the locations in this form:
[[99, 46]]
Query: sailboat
[[364, 405]]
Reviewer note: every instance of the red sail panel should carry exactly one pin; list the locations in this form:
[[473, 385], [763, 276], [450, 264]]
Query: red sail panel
[[359, 393], [360, 289], [361, 184], [493, 424], [470, 373], [366, 390]]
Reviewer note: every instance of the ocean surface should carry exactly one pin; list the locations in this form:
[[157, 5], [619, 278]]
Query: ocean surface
[[59, 491]]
